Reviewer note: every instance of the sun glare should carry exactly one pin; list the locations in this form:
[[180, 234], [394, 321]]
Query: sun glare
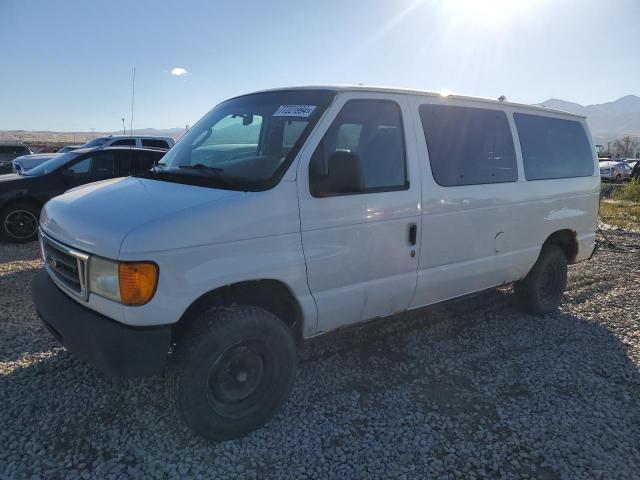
[[489, 13]]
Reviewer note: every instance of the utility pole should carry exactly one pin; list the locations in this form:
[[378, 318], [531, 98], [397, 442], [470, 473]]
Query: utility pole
[[93, 132], [124, 130]]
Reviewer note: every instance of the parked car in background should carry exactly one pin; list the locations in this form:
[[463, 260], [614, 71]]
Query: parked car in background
[[635, 172], [27, 162], [631, 162], [134, 141], [285, 214], [8, 151], [69, 148], [614, 171], [22, 196]]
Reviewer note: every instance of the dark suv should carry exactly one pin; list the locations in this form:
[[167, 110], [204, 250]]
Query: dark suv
[[9, 151], [22, 196]]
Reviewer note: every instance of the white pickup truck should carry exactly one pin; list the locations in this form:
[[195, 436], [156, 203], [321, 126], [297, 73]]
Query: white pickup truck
[[287, 213]]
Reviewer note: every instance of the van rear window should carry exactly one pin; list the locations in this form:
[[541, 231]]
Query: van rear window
[[468, 146], [553, 147]]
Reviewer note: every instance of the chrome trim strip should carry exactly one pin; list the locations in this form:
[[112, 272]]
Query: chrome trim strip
[[83, 264]]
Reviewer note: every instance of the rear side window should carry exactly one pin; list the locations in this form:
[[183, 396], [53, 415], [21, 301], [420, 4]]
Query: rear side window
[[553, 147], [125, 141], [361, 152], [468, 146], [154, 143]]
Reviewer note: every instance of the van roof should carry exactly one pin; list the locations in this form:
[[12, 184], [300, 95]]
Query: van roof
[[409, 91]]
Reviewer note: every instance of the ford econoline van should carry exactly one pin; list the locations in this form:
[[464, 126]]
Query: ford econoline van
[[287, 213]]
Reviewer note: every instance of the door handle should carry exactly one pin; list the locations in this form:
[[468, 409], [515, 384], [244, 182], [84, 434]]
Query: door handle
[[413, 233]]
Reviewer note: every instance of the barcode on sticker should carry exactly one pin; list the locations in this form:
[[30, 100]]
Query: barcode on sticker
[[294, 110]]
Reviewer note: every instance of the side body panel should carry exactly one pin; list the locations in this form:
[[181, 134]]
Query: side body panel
[[480, 236]]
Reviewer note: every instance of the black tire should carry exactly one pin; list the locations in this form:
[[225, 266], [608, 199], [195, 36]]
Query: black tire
[[234, 369], [618, 179], [19, 222], [541, 291]]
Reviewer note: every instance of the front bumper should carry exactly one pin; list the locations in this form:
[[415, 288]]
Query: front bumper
[[114, 349]]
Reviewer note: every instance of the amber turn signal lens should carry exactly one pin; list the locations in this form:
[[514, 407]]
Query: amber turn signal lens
[[137, 282]]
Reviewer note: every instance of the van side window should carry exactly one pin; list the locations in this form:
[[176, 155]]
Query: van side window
[[553, 147], [468, 146], [361, 152]]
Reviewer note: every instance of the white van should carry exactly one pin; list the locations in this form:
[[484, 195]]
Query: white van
[[287, 213]]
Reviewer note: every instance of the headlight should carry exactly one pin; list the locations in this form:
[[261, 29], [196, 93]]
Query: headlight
[[103, 278], [131, 283]]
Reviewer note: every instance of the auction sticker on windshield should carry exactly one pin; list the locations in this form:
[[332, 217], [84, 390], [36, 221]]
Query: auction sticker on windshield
[[294, 110]]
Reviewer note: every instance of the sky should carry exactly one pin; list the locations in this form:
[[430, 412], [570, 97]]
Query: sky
[[67, 65]]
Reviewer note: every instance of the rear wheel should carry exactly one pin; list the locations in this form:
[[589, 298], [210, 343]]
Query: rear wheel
[[19, 222], [233, 371], [541, 290], [618, 178]]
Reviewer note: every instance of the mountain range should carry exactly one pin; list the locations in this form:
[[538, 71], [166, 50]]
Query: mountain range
[[607, 121]]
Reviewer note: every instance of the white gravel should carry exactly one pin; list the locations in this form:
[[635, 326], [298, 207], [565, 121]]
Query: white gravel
[[470, 389]]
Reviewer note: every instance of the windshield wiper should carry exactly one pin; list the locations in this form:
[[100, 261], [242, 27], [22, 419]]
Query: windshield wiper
[[211, 171], [202, 166]]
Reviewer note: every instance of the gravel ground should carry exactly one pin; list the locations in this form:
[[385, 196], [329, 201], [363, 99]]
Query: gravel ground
[[470, 389]]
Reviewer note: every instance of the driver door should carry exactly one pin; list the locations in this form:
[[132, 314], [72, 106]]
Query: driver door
[[359, 192]]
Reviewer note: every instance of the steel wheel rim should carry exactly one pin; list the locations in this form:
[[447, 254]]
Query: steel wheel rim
[[239, 378], [20, 224]]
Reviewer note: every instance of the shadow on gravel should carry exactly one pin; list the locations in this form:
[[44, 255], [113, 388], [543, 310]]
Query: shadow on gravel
[[22, 332], [11, 252], [468, 386]]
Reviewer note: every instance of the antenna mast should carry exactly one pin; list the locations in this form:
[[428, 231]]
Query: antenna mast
[[133, 94]]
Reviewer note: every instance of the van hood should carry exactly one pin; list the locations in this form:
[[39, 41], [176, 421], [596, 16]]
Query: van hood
[[97, 217]]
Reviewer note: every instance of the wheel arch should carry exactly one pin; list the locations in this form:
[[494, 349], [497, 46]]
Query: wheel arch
[[7, 202], [567, 240], [272, 295]]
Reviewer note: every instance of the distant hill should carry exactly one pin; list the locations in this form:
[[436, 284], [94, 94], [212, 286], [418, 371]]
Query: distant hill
[[607, 121], [47, 137]]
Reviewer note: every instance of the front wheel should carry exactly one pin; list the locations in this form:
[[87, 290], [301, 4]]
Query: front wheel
[[235, 369], [541, 290], [19, 222]]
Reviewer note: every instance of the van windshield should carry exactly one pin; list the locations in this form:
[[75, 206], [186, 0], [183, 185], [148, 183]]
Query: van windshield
[[245, 143]]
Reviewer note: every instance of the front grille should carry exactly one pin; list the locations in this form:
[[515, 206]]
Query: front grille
[[67, 267]]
